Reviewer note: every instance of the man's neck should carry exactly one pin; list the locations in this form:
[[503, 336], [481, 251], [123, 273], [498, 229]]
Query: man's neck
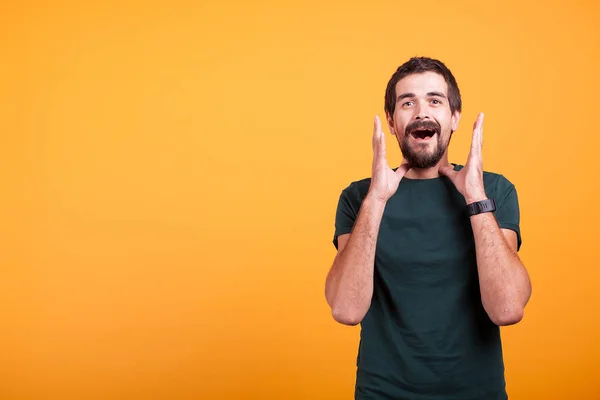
[[426, 173]]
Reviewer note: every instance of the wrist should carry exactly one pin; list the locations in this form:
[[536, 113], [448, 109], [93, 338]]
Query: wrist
[[475, 196], [481, 207], [375, 199]]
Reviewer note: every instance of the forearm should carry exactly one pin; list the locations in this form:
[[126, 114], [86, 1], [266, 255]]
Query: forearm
[[349, 286], [504, 282]]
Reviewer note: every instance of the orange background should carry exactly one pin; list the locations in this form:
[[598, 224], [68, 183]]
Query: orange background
[[170, 174]]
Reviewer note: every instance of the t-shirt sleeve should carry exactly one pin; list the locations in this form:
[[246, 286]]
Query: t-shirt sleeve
[[507, 210], [345, 216]]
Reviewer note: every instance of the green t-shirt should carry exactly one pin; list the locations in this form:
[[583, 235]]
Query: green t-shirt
[[426, 334]]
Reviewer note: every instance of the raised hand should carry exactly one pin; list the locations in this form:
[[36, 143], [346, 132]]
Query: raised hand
[[384, 180], [469, 180]]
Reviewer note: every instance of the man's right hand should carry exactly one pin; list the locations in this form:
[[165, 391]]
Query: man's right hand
[[384, 180], [349, 284]]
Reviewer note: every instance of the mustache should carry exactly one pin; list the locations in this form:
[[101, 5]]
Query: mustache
[[422, 125]]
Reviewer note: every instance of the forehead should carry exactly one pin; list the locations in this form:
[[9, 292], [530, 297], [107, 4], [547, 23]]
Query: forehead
[[421, 84]]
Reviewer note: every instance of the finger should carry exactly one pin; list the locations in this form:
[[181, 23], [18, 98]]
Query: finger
[[377, 127], [481, 133], [477, 140], [402, 169], [376, 122], [478, 132], [378, 138], [448, 170]]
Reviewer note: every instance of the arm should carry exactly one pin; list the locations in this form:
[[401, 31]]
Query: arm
[[503, 280], [349, 284]]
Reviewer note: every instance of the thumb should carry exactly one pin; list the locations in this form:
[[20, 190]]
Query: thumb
[[402, 169], [448, 170]]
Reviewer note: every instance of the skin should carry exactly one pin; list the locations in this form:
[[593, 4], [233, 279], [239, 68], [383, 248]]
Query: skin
[[423, 98], [505, 284]]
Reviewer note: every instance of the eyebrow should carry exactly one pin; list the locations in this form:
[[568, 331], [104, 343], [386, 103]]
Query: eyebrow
[[430, 94], [436, 94]]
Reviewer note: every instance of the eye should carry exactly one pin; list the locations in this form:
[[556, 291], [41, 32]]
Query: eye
[[435, 101], [408, 103]]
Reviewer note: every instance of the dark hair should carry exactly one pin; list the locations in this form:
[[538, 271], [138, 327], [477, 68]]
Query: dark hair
[[418, 65]]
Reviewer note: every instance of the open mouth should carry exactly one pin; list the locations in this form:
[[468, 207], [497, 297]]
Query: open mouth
[[423, 134]]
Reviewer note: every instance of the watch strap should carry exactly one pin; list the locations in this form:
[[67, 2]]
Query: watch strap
[[487, 205]]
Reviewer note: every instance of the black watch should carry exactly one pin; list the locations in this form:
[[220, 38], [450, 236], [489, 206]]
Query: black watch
[[488, 205]]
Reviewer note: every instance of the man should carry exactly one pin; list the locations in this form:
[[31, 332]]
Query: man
[[427, 254]]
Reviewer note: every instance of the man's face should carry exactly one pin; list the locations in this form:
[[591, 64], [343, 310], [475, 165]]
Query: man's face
[[422, 121]]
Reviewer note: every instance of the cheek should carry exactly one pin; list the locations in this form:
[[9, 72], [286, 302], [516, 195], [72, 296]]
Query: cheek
[[400, 123], [445, 122]]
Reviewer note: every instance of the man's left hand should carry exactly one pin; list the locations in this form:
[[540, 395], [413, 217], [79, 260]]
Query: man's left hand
[[469, 180]]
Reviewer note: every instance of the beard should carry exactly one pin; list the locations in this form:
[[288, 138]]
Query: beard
[[420, 155]]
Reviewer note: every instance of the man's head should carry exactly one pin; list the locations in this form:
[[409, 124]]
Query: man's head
[[423, 107]]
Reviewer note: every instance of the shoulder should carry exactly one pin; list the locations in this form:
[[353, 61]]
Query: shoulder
[[491, 179], [357, 189], [496, 179], [496, 184], [353, 195], [350, 201]]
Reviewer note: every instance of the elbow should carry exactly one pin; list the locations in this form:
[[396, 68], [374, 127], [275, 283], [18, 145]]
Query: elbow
[[347, 317], [507, 316]]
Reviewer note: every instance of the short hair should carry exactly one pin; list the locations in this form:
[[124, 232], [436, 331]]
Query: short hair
[[419, 65]]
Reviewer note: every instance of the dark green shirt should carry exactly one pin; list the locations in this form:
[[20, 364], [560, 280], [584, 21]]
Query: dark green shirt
[[426, 334]]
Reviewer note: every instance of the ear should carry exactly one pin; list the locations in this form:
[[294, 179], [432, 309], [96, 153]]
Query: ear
[[455, 120], [390, 121]]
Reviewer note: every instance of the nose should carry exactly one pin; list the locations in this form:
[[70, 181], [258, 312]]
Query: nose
[[422, 112]]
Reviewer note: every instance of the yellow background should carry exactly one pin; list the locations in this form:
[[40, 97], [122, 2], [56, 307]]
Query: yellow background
[[170, 174]]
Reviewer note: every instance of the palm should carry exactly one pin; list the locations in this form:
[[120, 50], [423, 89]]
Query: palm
[[384, 180], [469, 180]]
